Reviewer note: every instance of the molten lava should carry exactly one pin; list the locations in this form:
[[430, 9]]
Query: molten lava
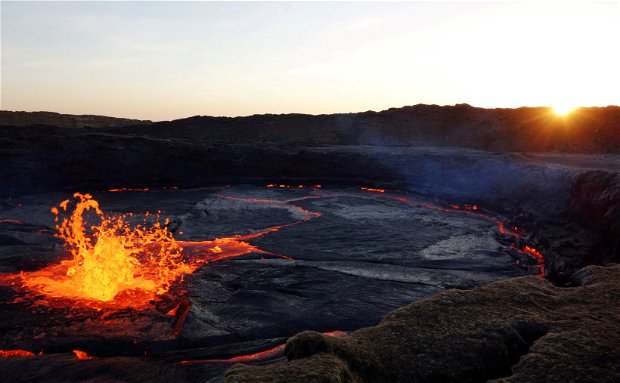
[[114, 264], [82, 355], [110, 260], [376, 190], [15, 353], [284, 186], [257, 357], [127, 189], [118, 190]]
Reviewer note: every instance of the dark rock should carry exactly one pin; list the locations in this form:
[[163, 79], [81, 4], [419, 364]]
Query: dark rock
[[595, 201], [590, 130], [551, 337], [582, 277], [7, 240], [64, 120]]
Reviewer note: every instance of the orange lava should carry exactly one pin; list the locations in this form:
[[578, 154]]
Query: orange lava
[[111, 261], [376, 190], [128, 189], [257, 357], [82, 355], [118, 190], [116, 265], [173, 311], [15, 353], [514, 232], [538, 255], [283, 186], [532, 251]]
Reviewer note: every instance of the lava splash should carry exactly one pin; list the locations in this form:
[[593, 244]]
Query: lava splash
[[115, 264], [111, 260]]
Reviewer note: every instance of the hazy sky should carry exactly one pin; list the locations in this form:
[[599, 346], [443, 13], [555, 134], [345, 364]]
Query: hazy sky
[[165, 60]]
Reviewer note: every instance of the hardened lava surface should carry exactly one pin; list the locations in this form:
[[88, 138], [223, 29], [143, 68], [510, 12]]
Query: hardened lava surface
[[320, 259]]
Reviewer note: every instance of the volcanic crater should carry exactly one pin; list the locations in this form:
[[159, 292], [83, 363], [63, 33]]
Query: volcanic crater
[[233, 247]]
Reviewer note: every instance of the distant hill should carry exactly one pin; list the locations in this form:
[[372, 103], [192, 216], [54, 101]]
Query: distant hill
[[588, 130], [64, 120]]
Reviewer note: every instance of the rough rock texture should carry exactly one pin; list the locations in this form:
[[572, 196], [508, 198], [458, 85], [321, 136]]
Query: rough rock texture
[[595, 201], [518, 330]]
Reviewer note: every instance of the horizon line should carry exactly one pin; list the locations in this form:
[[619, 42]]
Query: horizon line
[[305, 114]]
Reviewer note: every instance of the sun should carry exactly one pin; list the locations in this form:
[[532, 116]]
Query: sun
[[563, 110]]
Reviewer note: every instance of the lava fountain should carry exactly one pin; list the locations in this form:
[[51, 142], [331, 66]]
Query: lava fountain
[[111, 261], [115, 264]]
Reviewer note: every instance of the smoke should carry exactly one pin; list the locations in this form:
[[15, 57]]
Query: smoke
[[476, 175]]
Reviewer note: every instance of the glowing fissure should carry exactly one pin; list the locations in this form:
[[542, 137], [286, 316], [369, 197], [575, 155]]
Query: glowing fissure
[[15, 353], [81, 355], [127, 189], [13, 221], [118, 190], [515, 233], [531, 252], [376, 190], [286, 186], [256, 357]]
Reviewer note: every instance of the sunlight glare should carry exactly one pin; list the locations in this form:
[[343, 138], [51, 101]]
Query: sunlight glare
[[563, 110]]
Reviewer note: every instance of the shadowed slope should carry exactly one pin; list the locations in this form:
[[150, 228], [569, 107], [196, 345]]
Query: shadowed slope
[[535, 129]]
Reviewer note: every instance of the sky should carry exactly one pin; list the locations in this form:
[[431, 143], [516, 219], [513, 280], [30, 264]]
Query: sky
[[167, 60]]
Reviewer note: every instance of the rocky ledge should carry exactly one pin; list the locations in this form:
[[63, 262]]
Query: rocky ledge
[[518, 330]]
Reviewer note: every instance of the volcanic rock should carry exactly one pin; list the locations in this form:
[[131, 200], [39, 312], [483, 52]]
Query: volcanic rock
[[518, 330]]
